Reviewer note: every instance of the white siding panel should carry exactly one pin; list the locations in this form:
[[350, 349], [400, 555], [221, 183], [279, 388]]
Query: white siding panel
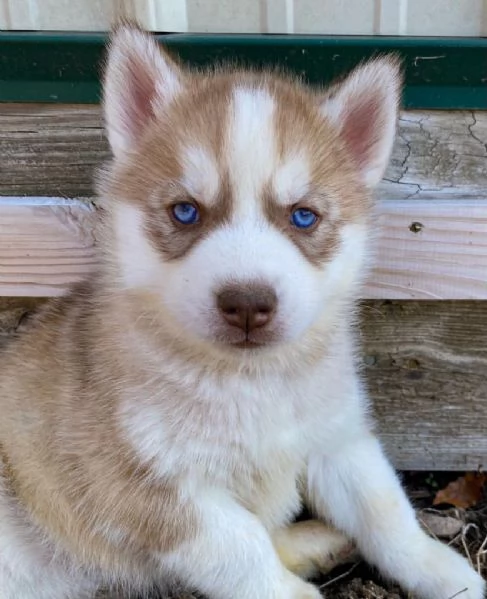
[[278, 16], [220, 16], [442, 17], [90, 15], [171, 15], [21, 14], [391, 17], [335, 17], [330, 16], [142, 11]]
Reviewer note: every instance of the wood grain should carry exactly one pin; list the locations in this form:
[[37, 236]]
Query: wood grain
[[425, 365], [55, 149], [45, 246], [438, 155], [50, 150], [430, 250], [424, 250]]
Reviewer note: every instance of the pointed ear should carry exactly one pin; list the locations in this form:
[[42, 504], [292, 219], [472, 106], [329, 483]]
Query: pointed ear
[[364, 108], [139, 79]]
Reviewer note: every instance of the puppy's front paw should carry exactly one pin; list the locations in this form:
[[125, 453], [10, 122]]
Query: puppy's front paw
[[308, 591], [296, 588], [446, 574], [311, 547], [311, 593]]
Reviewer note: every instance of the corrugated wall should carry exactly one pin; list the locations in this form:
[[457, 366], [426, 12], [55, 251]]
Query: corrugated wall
[[363, 17]]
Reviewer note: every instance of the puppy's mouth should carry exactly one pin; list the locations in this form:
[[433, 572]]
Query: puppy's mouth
[[236, 339], [248, 344], [249, 341]]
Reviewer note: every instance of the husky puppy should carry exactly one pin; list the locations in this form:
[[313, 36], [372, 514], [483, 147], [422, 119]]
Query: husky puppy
[[168, 418]]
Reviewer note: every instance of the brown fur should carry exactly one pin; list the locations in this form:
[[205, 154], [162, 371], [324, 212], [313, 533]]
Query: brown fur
[[171, 238], [317, 243], [99, 482]]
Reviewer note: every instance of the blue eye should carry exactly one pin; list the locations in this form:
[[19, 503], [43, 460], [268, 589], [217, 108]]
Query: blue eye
[[186, 213], [302, 218]]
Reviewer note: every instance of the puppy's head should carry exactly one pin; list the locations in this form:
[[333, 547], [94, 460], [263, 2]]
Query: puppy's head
[[240, 200]]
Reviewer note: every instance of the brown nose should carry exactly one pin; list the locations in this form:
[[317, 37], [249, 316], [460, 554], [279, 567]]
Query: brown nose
[[247, 307]]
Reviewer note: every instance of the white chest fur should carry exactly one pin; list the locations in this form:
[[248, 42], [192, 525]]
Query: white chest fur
[[250, 436]]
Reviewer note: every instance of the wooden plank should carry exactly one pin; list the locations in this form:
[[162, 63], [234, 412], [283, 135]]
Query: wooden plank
[[438, 154], [430, 250], [424, 250], [50, 150], [45, 245], [425, 366], [54, 150]]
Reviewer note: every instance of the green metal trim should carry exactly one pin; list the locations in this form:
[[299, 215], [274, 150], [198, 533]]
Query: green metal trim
[[441, 73]]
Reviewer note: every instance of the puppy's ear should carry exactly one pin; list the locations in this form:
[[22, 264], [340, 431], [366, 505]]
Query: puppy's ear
[[139, 80], [364, 108]]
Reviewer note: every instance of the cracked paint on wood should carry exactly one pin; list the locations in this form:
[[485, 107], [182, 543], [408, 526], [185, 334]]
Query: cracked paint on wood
[[438, 154]]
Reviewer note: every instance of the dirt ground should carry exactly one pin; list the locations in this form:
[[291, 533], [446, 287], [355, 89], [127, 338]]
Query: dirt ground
[[466, 530]]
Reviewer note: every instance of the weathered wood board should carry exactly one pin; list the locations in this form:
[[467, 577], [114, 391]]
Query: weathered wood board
[[424, 250], [438, 154], [53, 150], [425, 365], [44, 246], [430, 250], [50, 150]]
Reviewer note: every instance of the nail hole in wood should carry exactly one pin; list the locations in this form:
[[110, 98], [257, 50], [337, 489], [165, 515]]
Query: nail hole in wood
[[416, 227]]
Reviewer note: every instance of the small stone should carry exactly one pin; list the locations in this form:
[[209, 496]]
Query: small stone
[[440, 526]]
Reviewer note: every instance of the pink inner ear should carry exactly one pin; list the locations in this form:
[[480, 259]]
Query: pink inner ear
[[361, 129], [140, 95]]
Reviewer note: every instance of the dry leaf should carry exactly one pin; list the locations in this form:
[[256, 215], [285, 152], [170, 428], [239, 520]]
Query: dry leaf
[[464, 492]]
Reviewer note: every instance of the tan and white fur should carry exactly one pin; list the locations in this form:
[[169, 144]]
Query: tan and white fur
[[167, 420]]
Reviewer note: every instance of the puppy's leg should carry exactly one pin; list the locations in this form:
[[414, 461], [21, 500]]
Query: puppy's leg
[[359, 492], [45, 585], [311, 547], [232, 555], [29, 568], [27, 571]]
